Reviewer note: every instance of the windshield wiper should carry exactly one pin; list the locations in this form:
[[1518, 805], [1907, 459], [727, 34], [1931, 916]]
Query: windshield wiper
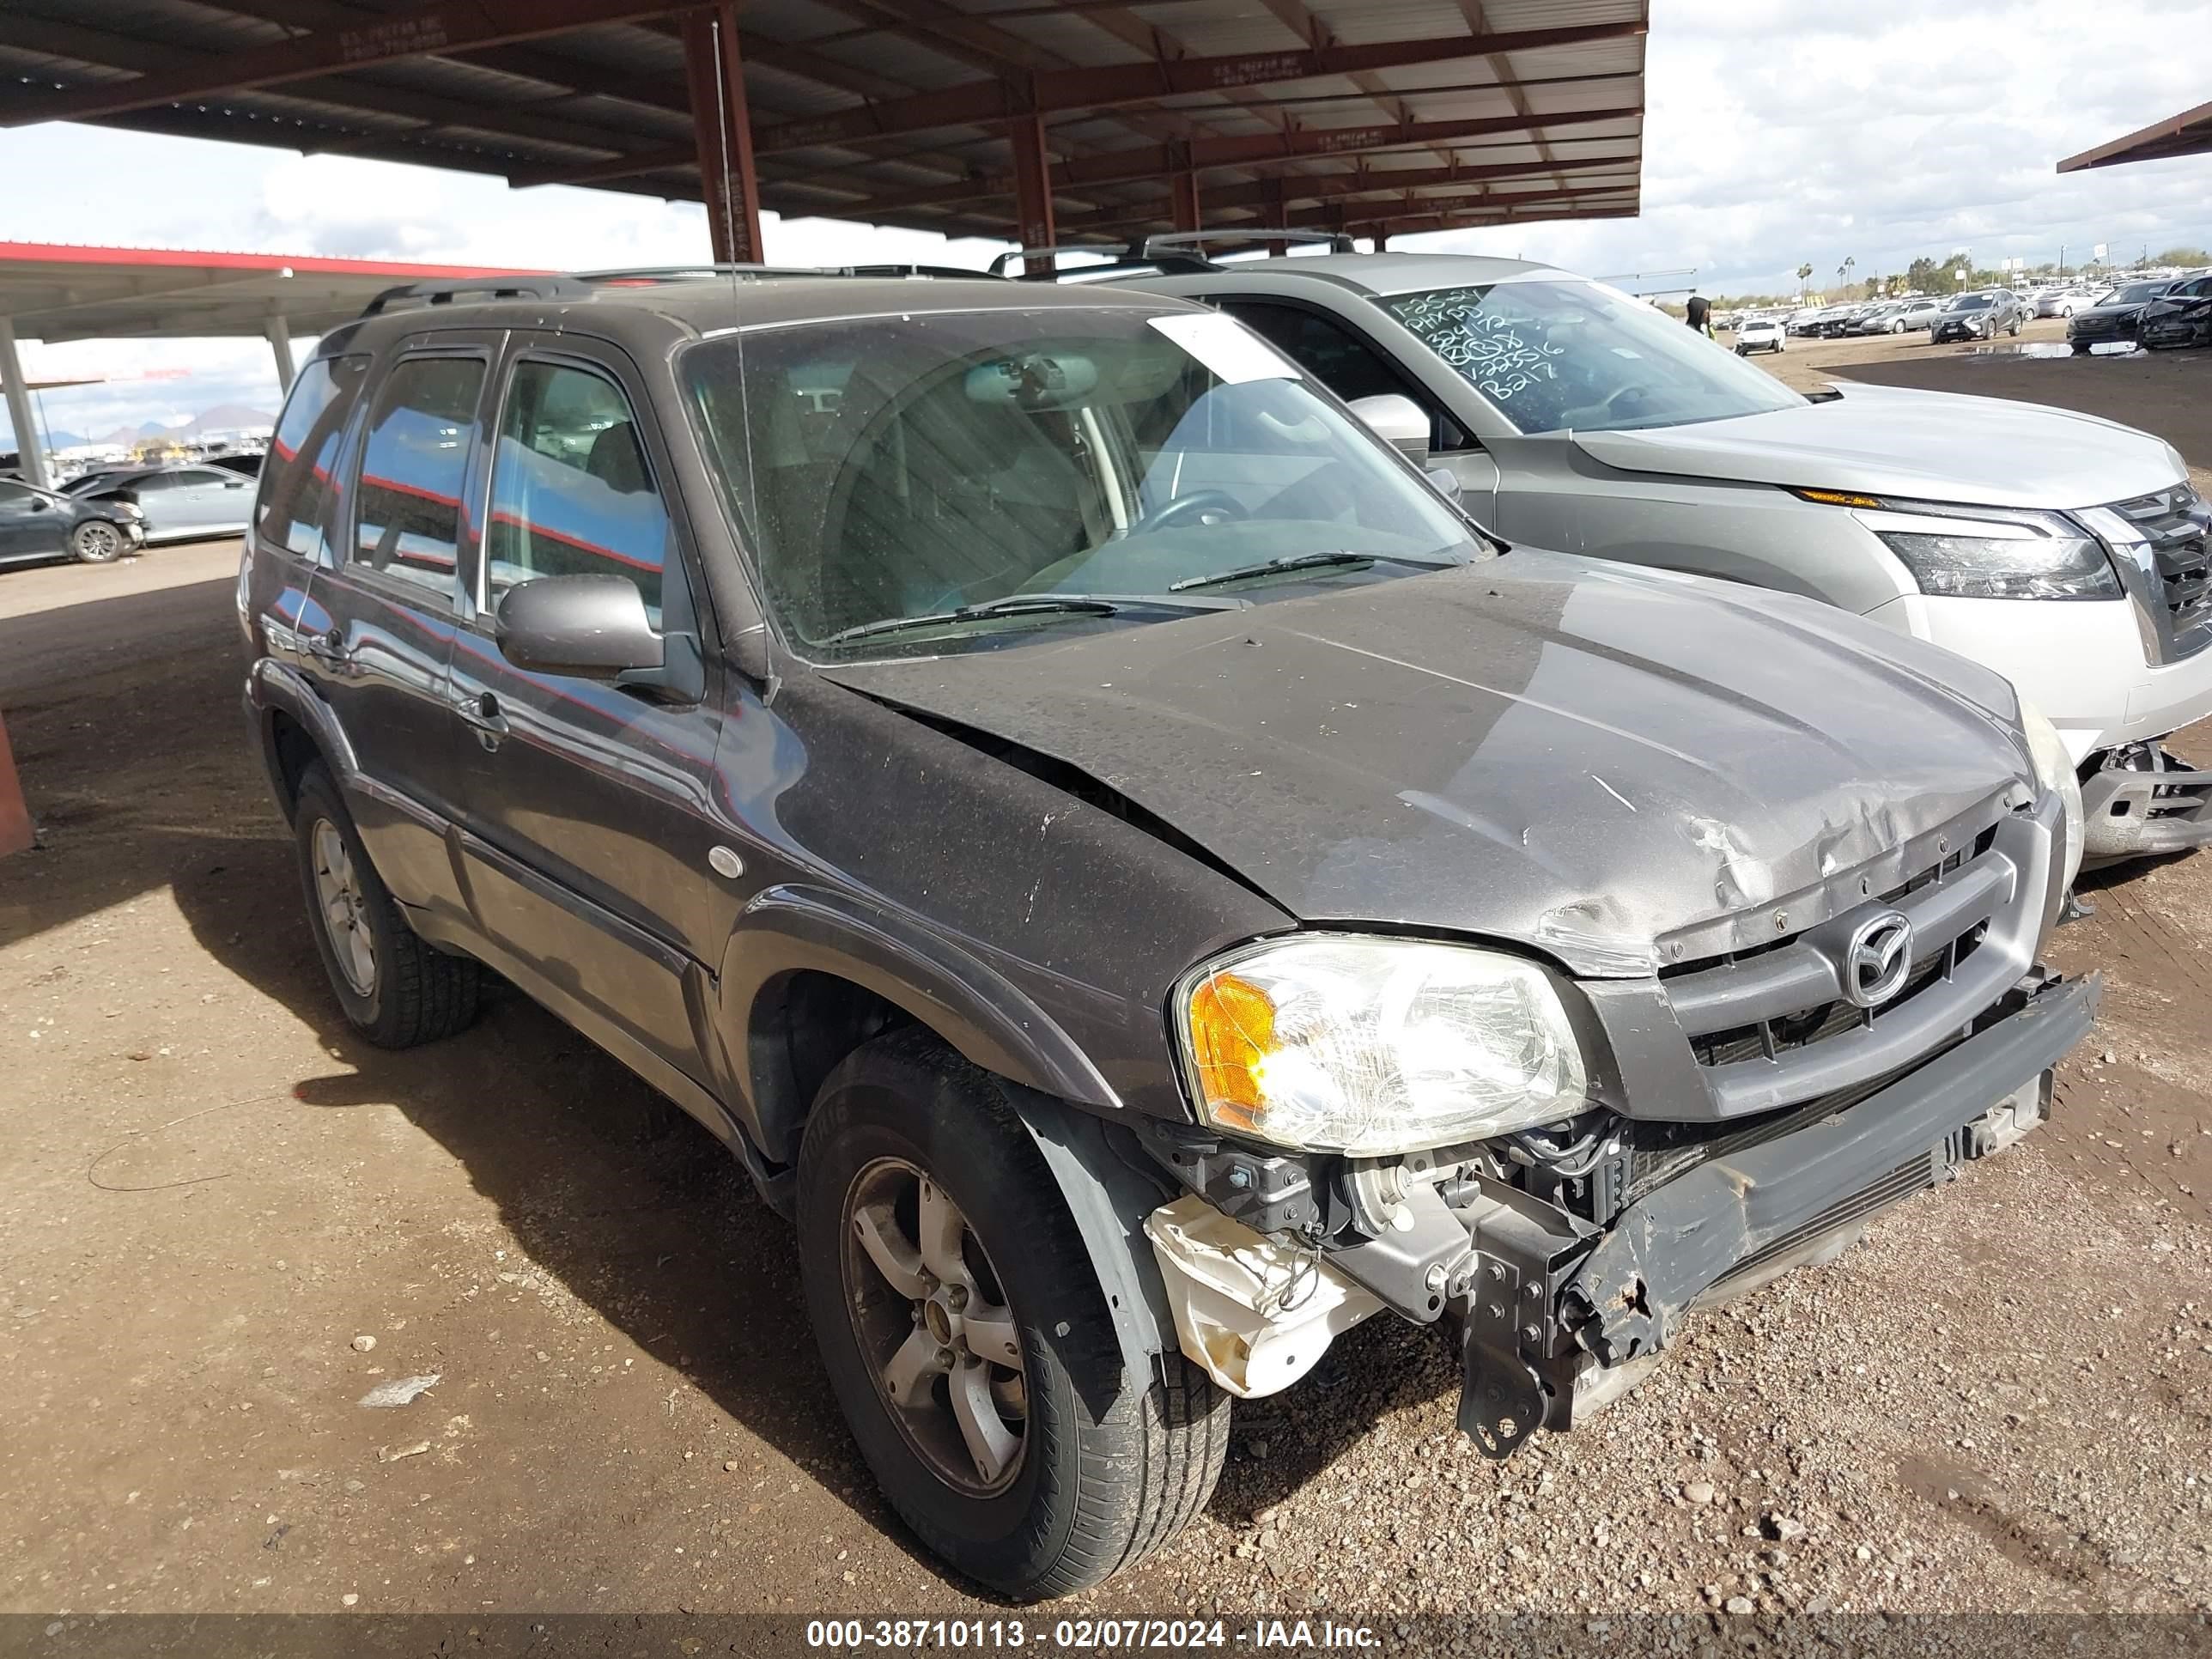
[[1343, 559], [1029, 605]]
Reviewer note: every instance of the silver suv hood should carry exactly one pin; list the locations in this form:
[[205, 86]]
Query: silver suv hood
[[1581, 756], [1893, 441]]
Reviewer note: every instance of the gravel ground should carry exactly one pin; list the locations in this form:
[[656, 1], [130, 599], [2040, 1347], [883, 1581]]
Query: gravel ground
[[211, 1198]]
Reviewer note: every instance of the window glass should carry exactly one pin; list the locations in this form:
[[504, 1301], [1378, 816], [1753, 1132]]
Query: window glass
[[1341, 360], [153, 484], [291, 509], [570, 494], [900, 468], [408, 518], [1555, 356], [14, 497]]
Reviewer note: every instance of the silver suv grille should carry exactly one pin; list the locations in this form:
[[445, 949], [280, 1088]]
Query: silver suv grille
[[1775, 1026], [2176, 524]]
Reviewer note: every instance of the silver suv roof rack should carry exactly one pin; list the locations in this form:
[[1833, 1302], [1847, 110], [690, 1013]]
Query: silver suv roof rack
[[582, 284], [1169, 252]]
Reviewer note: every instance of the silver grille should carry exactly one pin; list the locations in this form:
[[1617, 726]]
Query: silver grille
[[2179, 527], [1773, 1027]]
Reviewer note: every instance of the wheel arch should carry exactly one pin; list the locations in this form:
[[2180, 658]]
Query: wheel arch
[[855, 964]]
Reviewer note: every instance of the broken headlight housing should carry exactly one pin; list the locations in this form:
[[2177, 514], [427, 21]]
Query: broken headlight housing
[[2054, 770], [1984, 552], [1372, 1046]]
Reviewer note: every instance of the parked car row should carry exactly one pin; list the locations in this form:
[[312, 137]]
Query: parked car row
[[2159, 314], [101, 516], [1098, 795]]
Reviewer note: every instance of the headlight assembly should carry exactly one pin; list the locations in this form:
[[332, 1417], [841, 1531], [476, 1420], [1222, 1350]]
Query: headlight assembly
[[1371, 1046], [1984, 553], [2054, 770]]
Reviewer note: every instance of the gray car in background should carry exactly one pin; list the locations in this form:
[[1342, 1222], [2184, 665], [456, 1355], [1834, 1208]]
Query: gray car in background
[[184, 503], [2069, 553]]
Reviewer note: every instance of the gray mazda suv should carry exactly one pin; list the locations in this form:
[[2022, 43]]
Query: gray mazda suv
[[1132, 871]]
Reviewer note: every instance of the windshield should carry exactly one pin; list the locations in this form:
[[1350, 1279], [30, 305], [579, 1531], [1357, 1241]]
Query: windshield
[[1570, 355], [2139, 295], [1971, 302], [918, 466]]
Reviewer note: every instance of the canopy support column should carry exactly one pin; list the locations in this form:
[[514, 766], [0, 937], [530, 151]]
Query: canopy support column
[[280, 344], [30, 447], [722, 125]]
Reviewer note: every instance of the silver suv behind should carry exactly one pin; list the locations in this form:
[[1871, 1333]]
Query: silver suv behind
[[2069, 553]]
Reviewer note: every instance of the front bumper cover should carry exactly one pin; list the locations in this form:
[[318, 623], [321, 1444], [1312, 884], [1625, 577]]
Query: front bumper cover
[[1550, 1300], [2131, 813]]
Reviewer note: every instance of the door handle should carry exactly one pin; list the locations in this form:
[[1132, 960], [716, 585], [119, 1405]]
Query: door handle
[[482, 714]]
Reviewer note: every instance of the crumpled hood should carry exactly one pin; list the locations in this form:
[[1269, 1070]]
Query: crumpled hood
[[1897, 441], [1581, 756]]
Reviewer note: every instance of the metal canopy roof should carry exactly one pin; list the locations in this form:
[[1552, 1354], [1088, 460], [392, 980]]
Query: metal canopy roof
[[1384, 115], [2189, 133], [55, 292]]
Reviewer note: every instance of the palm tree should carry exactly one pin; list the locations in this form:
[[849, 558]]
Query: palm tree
[[1803, 271]]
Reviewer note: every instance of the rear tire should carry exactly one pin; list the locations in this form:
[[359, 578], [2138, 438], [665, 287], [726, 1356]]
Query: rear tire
[[97, 541], [1104, 1467], [396, 990]]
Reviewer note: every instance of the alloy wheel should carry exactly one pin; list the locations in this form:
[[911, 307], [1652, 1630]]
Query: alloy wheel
[[345, 909], [934, 1329], [98, 541]]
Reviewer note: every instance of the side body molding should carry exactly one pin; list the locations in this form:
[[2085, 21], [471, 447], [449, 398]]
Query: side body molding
[[796, 928]]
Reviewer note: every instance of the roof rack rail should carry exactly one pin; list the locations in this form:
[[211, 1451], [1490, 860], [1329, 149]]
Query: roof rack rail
[[953, 272], [545, 287], [1339, 241], [1113, 252]]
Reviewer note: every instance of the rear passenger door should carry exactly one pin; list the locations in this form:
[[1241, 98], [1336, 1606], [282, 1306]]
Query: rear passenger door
[[387, 610], [207, 499], [587, 806]]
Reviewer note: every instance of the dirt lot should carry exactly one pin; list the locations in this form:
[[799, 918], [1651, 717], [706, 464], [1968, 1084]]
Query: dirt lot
[[210, 1197]]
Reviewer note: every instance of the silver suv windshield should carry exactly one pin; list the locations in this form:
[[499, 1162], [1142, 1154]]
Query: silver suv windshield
[[1573, 356], [955, 480]]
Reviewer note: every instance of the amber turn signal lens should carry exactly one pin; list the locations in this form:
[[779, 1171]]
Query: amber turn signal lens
[[1836, 498], [1232, 1029]]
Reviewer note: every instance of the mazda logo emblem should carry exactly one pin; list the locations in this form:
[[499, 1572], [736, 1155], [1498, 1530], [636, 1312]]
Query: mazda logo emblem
[[1878, 959]]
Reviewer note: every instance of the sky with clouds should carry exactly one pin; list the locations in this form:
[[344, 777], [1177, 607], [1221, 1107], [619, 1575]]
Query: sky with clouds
[[1778, 133]]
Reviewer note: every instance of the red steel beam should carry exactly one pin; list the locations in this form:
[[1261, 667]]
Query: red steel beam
[[1033, 219], [1183, 193], [1124, 166], [1043, 92], [723, 131], [16, 833], [444, 27], [1271, 197]]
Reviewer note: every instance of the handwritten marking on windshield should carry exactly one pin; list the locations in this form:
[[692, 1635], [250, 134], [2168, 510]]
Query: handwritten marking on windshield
[[1484, 347]]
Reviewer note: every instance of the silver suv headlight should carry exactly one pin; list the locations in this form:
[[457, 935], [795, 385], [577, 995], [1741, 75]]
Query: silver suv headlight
[[2054, 770], [1371, 1046], [1984, 552]]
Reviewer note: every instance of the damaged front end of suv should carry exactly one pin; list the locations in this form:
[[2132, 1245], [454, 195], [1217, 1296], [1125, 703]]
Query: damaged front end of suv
[[1559, 1167]]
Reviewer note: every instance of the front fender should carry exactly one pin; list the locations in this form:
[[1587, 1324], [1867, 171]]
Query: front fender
[[956, 993]]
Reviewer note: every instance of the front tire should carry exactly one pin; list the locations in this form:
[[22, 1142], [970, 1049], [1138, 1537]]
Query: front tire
[[968, 1343], [96, 541], [396, 990]]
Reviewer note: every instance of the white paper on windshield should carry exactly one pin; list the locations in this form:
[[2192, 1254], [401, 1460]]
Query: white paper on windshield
[[1226, 346]]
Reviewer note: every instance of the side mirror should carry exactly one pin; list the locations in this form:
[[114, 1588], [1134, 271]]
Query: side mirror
[[41, 504], [1397, 420], [234, 483], [1444, 481], [593, 626]]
